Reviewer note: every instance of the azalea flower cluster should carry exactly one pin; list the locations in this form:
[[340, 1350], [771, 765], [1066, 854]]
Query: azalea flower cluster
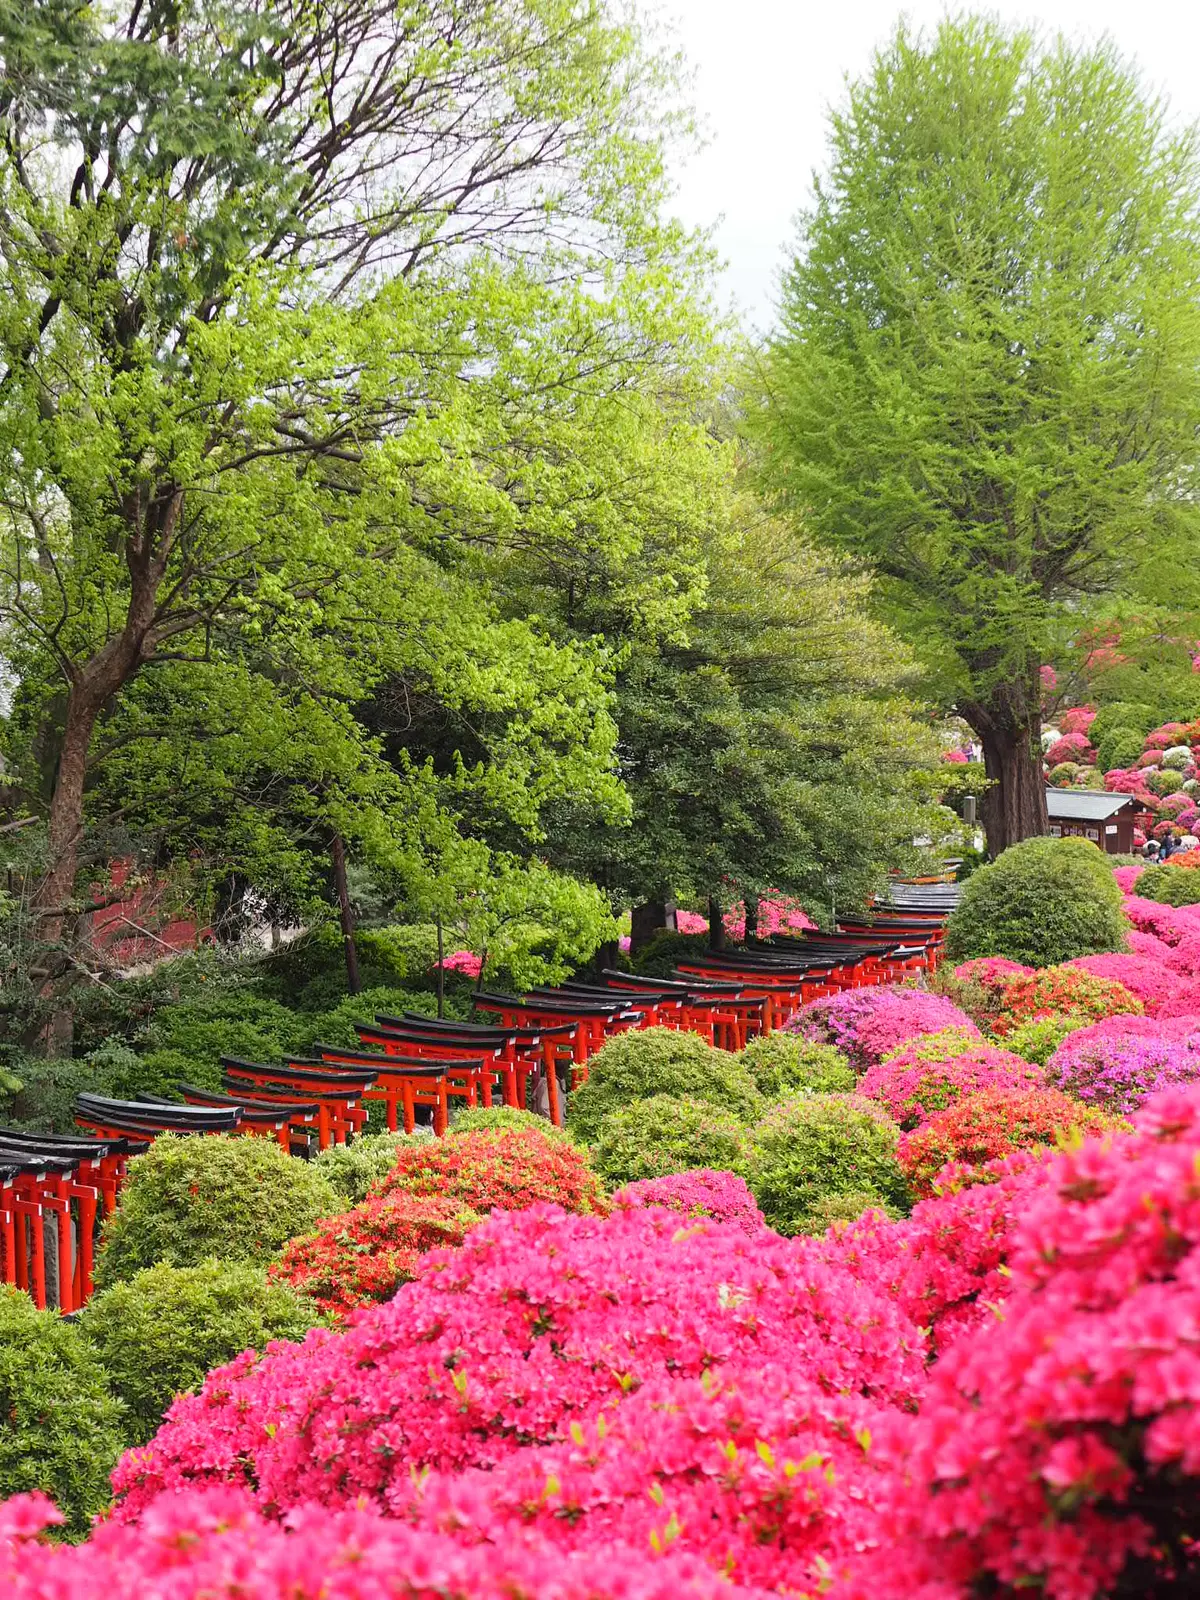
[[1057, 991], [507, 1167], [700, 1193], [869, 1024], [1119, 1070], [363, 1255], [984, 1127], [540, 1320], [1165, 778], [917, 1081]]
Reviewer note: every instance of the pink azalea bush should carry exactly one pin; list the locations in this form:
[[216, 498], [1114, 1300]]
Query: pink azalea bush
[[540, 1320], [868, 1024], [988, 970], [1120, 1073], [216, 1545], [699, 1193], [914, 1083], [464, 961], [1058, 1450], [945, 1265], [1152, 982]]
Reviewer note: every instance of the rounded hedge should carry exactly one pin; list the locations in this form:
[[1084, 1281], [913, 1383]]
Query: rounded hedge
[[812, 1147], [352, 1168], [475, 1119], [192, 1197], [158, 1334], [782, 1064], [664, 1135], [653, 1061], [1041, 902], [61, 1428], [1170, 886]]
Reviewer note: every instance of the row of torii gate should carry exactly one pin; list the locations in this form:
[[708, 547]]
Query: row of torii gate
[[528, 1050]]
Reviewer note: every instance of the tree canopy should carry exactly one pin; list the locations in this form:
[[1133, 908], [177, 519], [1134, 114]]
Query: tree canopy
[[984, 380]]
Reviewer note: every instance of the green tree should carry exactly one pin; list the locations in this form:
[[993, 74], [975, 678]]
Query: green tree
[[984, 383], [303, 311], [775, 745]]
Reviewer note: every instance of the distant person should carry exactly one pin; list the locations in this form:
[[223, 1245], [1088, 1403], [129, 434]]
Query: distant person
[[1169, 847], [1150, 849]]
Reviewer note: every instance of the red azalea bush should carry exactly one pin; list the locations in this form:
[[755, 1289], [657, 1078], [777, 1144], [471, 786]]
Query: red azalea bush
[[1059, 991], [868, 1024], [511, 1168], [363, 1255], [986, 1126], [216, 1545], [1071, 747], [723, 1196], [911, 1085], [539, 1320], [1058, 1451]]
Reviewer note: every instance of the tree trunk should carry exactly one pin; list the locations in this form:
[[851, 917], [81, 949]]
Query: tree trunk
[[1014, 805], [441, 969], [751, 903], [716, 925], [337, 851]]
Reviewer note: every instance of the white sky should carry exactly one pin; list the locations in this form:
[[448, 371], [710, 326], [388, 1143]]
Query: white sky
[[768, 70]]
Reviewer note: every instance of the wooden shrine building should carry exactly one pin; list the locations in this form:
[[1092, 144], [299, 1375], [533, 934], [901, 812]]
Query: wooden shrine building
[[1106, 819]]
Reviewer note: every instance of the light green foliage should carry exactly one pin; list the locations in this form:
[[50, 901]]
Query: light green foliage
[[1171, 886], [658, 1061], [834, 1209], [1042, 902], [998, 275], [782, 1064], [351, 1169], [159, 1333], [937, 1047], [474, 1118], [665, 1134], [288, 449], [337, 1025], [192, 1197], [1037, 1040], [1163, 783], [61, 1429], [810, 1148]]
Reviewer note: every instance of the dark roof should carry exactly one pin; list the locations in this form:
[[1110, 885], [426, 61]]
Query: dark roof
[[1085, 805]]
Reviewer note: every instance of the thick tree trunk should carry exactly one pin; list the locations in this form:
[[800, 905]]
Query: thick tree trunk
[[716, 924], [337, 853], [1014, 806]]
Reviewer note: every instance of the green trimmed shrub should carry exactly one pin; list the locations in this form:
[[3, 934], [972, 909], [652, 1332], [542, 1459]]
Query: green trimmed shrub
[[840, 1208], [473, 1118], [784, 1064], [1064, 774], [61, 1428], [660, 957], [1170, 886], [336, 1026], [812, 1147], [157, 1335], [1042, 902], [353, 1168], [1163, 783], [653, 1061], [187, 1041], [665, 1134], [194, 1196], [1120, 748], [1037, 1040]]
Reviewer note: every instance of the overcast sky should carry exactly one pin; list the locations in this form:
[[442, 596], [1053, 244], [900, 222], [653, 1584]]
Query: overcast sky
[[768, 70]]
